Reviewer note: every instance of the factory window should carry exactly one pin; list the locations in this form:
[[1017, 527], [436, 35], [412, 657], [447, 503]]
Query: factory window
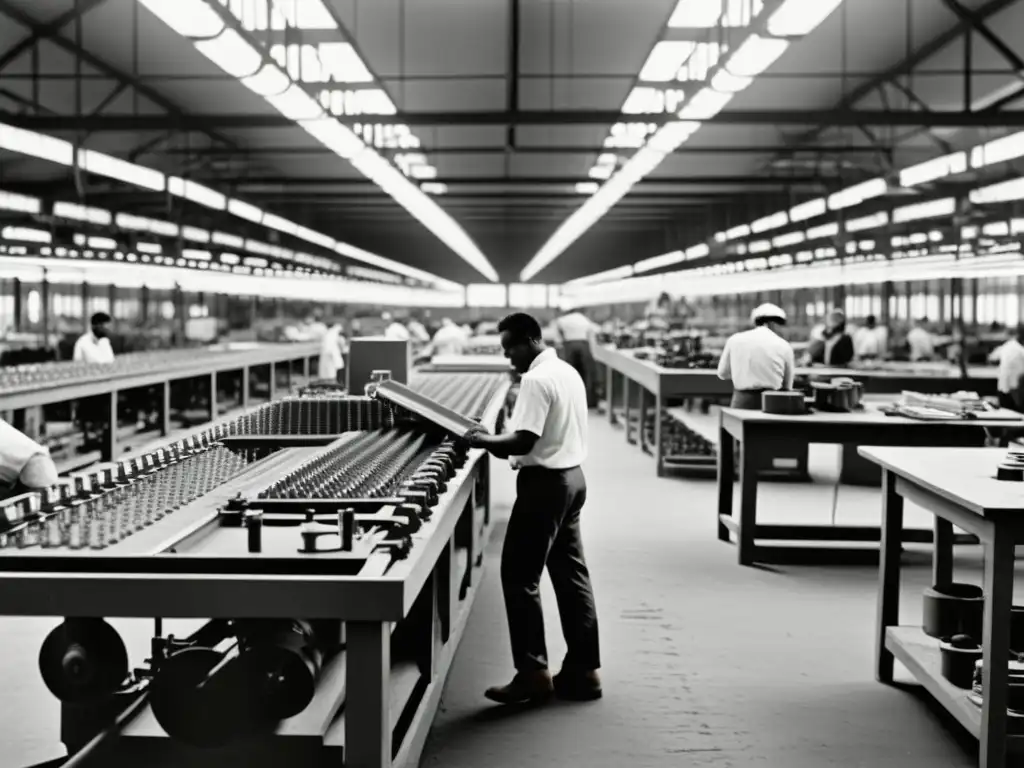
[[167, 310], [932, 306], [1011, 313], [99, 304], [33, 307]]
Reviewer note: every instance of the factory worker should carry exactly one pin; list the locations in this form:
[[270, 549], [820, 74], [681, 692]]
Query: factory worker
[[394, 329], [417, 330], [758, 360], [23, 462], [576, 332], [920, 341], [94, 346], [547, 442], [333, 346], [872, 341], [1011, 371], [450, 339], [837, 351]]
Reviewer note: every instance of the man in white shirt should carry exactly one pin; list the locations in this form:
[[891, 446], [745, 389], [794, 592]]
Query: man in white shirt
[[417, 331], [94, 346], [1011, 370], [23, 462], [920, 341], [332, 353], [576, 332], [394, 329], [547, 442], [449, 339], [871, 341], [758, 360]]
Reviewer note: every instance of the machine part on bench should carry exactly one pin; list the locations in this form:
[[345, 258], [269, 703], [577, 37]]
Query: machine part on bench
[[83, 659]]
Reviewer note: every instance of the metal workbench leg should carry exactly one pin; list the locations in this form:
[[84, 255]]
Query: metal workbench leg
[[888, 574], [213, 396], [305, 368], [272, 387], [367, 694], [165, 410], [746, 548], [245, 388], [726, 478], [996, 648], [108, 450], [942, 556], [627, 392], [610, 394], [642, 437], [659, 449]]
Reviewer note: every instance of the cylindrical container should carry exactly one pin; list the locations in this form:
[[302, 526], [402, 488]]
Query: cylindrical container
[[953, 609], [959, 658], [254, 529], [1010, 472]]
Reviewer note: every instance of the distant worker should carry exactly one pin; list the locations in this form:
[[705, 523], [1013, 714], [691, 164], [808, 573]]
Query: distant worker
[[1011, 371], [450, 339], [333, 346], [94, 346], [758, 360], [872, 341], [920, 341], [394, 329], [575, 331], [24, 463], [315, 327], [417, 330], [837, 351]]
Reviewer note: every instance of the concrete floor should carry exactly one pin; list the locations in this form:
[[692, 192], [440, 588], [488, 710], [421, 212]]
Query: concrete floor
[[706, 663]]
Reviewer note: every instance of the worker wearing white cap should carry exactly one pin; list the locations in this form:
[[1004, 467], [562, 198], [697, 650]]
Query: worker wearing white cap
[[758, 360]]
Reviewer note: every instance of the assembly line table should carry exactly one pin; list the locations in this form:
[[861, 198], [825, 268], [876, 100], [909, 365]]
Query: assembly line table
[[759, 434], [958, 486]]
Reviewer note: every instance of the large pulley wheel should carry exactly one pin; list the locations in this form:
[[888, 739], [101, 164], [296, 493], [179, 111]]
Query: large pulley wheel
[[198, 698], [282, 680], [83, 659]]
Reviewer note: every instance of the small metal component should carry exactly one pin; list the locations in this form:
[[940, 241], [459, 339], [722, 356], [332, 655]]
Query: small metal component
[[254, 530]]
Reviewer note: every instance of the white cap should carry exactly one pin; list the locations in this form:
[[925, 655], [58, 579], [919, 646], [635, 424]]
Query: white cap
[[767, 310]]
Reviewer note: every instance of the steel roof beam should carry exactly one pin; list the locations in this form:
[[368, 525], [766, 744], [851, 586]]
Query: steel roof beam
[[49, 29], [977, 23]]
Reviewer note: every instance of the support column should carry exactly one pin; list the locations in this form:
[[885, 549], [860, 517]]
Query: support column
[[368, 671]]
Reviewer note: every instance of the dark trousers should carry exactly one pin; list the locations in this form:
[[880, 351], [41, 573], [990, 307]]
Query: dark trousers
[[579, 356], [747, 399], [544, 529]]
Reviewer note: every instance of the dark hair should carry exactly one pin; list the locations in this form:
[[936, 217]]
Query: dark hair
[[765, 320], [520, 326], [99, 318], [871, 321]]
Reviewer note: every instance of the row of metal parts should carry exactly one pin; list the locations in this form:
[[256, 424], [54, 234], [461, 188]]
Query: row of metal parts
[[327, 414], [229, 679], [468, 394], [97, 511]]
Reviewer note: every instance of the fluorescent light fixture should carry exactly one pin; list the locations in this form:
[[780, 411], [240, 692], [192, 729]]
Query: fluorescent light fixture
[[857, 194], [305, 14], [317, 238], [195, 234], [280, 224], [800, 17], [666, 60], [784, 241], [755, 55], [601, 172], [254, 261], [111, 167], [269, 81], [245, 211], [696, 14], [671, 135], [823, 231], [153, 248], [928, 210], [1003, 192], [191, 253], [657, 262], [197, 193], [423, 172], [808, 210], [938, 168], [102, 243], [598, 277], [9, 201], [338, 138], [996, 229], [760, 246], [231, 241], [36, 145], [698, 251], [230, 258], [76, 212], [295, 104], [358, 254], [25, 234], [996, 151], [743, 230], [873, 221], [725, 81], [437, 188], [587, 187], [191, 18], [705, 105], [232, 53], [775, 221], [164, 228]]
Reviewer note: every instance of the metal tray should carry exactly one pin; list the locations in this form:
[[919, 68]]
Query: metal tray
[[425, 407]]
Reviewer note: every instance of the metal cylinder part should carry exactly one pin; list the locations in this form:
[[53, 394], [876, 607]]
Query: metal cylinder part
[[281, 662], [83, 659]]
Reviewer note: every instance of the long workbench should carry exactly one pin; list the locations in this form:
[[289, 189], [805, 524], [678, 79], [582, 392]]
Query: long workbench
[[758, 434], [959, 487], [51, 384]]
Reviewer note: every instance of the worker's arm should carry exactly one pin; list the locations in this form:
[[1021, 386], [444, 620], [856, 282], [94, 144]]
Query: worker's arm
[[724, 366], [517, 443], [79, 353], [526, 425], [39, 472]]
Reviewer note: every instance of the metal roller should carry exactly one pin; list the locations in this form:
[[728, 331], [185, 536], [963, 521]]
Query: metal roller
[[282, 661], [83, 659]]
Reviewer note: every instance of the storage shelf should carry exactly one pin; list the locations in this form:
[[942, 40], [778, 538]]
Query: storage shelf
[[920, 654]]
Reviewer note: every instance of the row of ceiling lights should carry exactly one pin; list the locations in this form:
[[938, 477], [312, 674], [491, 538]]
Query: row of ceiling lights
[[732, 72], [228, 48]]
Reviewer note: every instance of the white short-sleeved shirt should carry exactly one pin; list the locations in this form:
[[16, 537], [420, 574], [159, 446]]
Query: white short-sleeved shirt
[[757, 359], [574, 327], [90, 349], [16, 449], [397, 332], [552, 404], [1011, 365]]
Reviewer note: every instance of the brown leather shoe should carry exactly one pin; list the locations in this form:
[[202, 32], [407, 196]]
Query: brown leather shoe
[[578, 685], [526, 688]]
